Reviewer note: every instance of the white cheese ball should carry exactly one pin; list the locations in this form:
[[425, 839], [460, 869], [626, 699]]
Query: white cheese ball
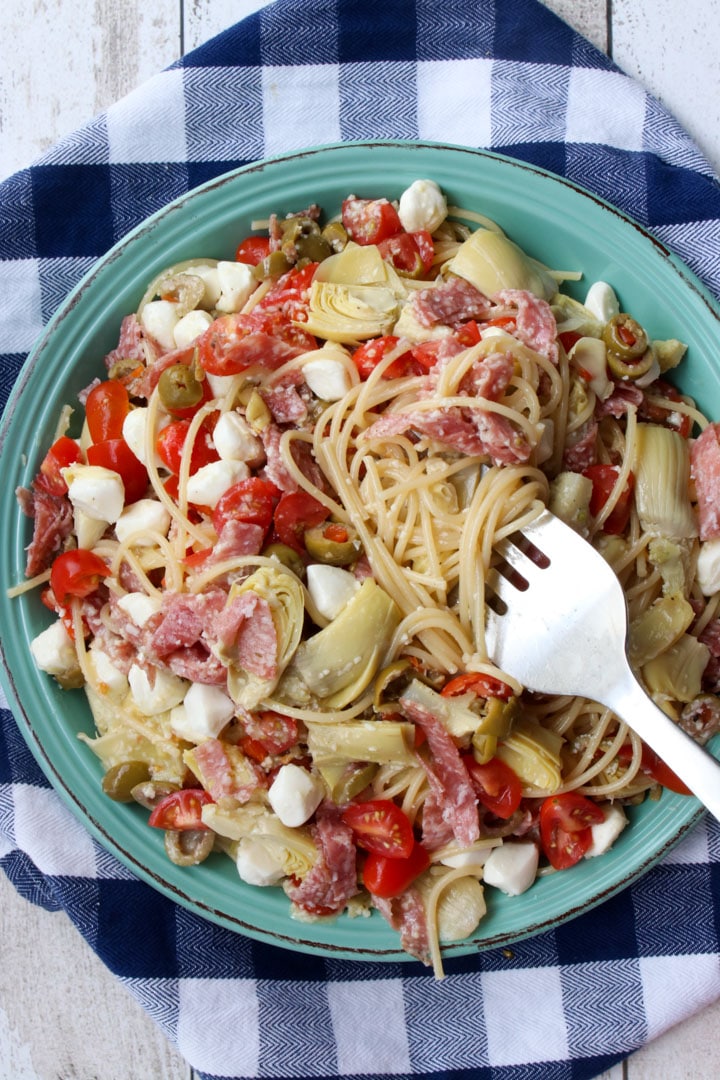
[[422, 206], [328, 379], [237, 284], [133, 432], [53, 650], [95, 491], [235, 440], [330, 588], [512, 868], [606, 832], [708, 567], [159, 318], [256, 864], [207, 486], [188, 329], [295, 795], [139, 519], [204, 712], [139, 607]]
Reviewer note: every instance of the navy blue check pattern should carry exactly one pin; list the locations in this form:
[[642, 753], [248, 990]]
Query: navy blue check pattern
[[511, 77]]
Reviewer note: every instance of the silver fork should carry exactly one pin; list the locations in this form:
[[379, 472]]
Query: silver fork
[[561, 628]]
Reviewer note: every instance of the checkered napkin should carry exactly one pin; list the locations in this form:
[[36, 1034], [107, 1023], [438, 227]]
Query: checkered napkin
[[507, 76]]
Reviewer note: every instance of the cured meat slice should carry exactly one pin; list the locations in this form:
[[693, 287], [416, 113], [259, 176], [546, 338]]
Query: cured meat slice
[[451, 303], [52, 523], [224, 770], [406, 915], [245, 629], [535, 322], [705, 467], [332, 880], [448, 777]]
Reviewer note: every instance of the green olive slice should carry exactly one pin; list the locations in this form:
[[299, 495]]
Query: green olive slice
[[625, 337], [333, 544], [119, 781], [287, 556], [189, 847], [150, 792], [179, 388], [630, 369]]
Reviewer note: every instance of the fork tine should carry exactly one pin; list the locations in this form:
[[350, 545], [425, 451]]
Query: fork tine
[[518, 560]]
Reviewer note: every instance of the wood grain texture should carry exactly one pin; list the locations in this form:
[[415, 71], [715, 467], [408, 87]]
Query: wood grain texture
[[61, 62]]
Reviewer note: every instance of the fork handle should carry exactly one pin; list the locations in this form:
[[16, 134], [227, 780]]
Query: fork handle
[[690, 761]]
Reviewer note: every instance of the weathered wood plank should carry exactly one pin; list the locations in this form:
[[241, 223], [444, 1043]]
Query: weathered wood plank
[[62, 1014]]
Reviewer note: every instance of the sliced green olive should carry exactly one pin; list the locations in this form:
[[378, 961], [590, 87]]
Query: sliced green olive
[[189, 847], [625, 337], [346, 782], [287, 556], [125, 366], [390, 683], [179, 388], [273, 265], [333, 544], [630, 369], [336, 235], [187, 290], [119, 781], [150, 792]]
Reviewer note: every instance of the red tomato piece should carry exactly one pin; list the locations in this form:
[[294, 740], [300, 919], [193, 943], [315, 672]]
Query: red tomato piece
[[224, 350], [295, 512], [410, 253], [368, 355], [381, 827], [604, 478], [181, 810], [63, 452], [171, 441], [568, 339], [115, 454], [654, 766], [388, 878], [498, 787], [475, 682], [468, 334], [565, 827], [370, 221], [274, 731], [76, 574], [252, 500], [106, 407], [252, 250], [290, 293]]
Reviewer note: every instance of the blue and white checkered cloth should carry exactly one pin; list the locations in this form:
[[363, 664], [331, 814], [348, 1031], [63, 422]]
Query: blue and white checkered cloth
[[511, 77]]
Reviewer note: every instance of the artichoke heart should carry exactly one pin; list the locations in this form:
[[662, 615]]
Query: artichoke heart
[[677, 672], [347, 313], [492, 262], [284, 594], [340, 661], [533, 753], [662, 482], [119, 741], [294, 849], [659, 627], [355, 265]]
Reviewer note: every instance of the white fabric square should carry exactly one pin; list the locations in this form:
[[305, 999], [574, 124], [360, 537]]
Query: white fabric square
[[21, 318], [209, 1009], [301, 106], [3, 700], [148, 125], [542, 1035], [677, 986], [53, 838], [5, 846], [605, 107], [454, 101], [693, 849], [368, 1019]]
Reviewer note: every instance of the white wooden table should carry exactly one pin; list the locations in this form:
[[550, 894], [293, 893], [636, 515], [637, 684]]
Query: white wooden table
[[62, 1015]]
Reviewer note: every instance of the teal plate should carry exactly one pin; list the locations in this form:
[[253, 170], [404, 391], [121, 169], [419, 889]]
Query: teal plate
[[554, 221]]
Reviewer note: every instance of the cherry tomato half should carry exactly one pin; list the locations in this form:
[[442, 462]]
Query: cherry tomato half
[[115, 454], [252, 500], [565, 827], [76, 573], [410, 253], [476, 682], [180, 810], [106, 407], [368, 355], [388, 878], [603, 479], [497, 786], [294, 514], [252, 250], [654, 767], [381, 827], [63, 452], [370, 221], [171, 441]]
